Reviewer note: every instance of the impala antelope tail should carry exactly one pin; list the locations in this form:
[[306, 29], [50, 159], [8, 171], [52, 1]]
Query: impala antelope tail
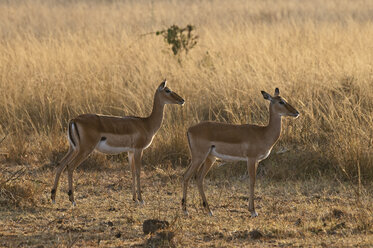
[[73, 134]]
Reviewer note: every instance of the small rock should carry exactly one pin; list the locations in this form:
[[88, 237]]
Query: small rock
[[151, 226], [298, 222], [111, 209], [338, 213], [255, 234], [118, 235], [110, 223]]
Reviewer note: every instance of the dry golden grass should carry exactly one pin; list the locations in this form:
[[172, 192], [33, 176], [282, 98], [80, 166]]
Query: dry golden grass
[[63, 59], [59, 59]]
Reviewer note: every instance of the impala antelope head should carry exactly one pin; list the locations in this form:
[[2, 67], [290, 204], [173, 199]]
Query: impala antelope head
[[168, 96], [280, 105]]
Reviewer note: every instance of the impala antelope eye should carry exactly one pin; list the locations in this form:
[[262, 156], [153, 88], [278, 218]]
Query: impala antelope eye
[[167, 90], [282, 102]]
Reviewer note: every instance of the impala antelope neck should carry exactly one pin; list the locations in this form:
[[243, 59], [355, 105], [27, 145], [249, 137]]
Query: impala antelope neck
[[250, 143], [113, 135]]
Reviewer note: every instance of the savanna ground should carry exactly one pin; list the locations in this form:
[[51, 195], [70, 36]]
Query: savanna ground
[[291, 213], [59, 59]]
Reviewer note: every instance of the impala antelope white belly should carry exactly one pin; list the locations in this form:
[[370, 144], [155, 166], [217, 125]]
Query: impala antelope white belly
[[103, 147], [226, 157]]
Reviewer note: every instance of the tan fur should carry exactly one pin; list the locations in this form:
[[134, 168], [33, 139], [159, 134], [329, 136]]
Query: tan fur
[[250, 143], [112, 135]]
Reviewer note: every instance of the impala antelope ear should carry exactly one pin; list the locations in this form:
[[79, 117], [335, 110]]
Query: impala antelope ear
[[162, 85], [277, 92], [266, 95]]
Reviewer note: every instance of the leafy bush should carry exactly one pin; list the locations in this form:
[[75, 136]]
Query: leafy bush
[[180, 39]]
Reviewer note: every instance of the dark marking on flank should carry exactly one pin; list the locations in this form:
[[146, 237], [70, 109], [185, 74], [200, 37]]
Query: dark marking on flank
[[77, 131], [70, 192], [103, 139]]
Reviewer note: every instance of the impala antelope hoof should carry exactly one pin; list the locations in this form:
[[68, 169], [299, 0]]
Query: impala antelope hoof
[[74, 204], [253, 214], [186, 213], [54, 201], [211, 213], [141, 202]]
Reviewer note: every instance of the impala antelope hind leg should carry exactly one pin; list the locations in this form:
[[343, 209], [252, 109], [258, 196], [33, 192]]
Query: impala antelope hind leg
[[61, 166], [70, 155], [202, 172], [80, 157], [195, 163]]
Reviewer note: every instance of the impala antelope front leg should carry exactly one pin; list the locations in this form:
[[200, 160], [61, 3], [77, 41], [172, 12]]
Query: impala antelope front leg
[[252, 165], [137, 158], [131, 162]]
